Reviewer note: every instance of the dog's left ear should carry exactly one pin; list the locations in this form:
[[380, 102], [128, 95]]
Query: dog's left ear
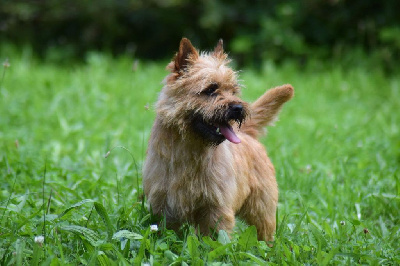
[[219, 49], [186, 53]]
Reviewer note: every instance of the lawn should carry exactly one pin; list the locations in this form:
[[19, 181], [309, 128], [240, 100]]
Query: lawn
[[73, 138]]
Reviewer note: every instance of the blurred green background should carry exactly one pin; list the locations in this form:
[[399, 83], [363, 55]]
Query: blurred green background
[[253, 30]]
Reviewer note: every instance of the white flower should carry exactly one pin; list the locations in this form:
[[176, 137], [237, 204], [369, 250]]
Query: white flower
[[39, 239], [153, 228]]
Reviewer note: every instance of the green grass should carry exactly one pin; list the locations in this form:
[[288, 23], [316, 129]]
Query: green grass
[[336, 149]]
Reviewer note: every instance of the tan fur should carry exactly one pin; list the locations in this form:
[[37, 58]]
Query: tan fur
[[187, 179]]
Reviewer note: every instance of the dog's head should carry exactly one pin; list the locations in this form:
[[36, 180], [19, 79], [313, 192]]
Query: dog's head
[[201, 95]]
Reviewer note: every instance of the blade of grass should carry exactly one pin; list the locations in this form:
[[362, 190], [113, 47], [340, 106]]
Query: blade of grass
[[44, 209], [103, 214]]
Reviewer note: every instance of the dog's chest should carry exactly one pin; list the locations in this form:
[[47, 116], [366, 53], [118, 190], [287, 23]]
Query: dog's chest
[[199, 185]]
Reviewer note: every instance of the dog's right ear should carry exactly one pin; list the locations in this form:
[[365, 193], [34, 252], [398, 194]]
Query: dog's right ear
[[219, 49], [186, 54]]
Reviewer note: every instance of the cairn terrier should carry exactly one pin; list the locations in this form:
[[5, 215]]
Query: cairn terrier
[[204, 163]]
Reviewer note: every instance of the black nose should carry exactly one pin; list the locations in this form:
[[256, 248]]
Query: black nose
[[236, 108], [236, 112]]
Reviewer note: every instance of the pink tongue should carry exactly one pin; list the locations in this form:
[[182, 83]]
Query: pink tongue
[[229, 134]]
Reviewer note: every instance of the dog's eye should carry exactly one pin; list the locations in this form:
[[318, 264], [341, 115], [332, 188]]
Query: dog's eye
[[210, 90]]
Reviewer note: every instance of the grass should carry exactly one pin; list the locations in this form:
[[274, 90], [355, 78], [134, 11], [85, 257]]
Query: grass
[[73, 139]]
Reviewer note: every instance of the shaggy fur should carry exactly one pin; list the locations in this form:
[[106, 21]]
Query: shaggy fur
[[204, 163]]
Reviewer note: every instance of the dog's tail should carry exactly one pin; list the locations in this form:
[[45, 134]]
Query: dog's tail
[[264, 111]]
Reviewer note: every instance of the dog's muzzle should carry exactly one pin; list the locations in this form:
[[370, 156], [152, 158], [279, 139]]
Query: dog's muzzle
[[216, 130]]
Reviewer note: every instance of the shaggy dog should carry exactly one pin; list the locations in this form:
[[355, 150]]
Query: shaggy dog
[[204, 162]]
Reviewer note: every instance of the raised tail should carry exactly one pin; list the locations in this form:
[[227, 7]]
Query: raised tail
[[264, 111]]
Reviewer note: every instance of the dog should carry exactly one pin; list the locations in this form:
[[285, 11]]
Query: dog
[[204, 162]]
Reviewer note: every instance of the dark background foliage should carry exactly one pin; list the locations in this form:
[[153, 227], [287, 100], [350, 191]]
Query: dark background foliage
[[253, 30]]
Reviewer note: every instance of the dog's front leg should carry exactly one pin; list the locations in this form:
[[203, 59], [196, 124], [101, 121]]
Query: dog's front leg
[[215, 218]]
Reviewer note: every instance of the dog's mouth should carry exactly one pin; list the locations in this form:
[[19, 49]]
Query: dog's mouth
[[226, 131], [216, 132], [218, 128]]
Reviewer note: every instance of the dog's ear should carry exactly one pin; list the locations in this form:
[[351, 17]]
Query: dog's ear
[[219, 49], [186, 54]]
